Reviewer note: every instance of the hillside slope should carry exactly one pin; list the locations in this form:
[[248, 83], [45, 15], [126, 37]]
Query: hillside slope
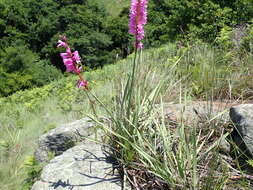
[[196, 72]]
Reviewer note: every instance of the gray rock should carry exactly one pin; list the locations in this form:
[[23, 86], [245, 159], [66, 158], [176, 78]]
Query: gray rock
[[62, 138], [242, 117], [196, 111], [83, 167], [224, 146]]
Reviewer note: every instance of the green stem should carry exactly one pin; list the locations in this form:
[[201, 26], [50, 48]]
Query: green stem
[[92, 104], [130, 90]]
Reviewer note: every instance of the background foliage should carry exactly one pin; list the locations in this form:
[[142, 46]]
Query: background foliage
[[29, 30]]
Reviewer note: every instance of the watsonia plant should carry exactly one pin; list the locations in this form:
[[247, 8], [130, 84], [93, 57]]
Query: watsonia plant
[[138, 135], [152, 153]]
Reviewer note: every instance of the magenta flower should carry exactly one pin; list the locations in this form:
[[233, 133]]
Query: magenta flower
[[138, 18], [72, 61], [78, 70], [82, 84], [62, 44], [76, 57], [69, 65], [65, 55]]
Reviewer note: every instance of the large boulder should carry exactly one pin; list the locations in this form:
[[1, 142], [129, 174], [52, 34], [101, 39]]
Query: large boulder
[[83, 167], [60, 139], [242, 117]]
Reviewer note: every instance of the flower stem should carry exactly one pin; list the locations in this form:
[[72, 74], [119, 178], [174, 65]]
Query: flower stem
[[130, 90]]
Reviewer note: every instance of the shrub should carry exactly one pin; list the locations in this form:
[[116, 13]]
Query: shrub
[[20, 69]]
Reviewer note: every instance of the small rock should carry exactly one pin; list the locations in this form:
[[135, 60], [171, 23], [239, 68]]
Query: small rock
[[62, 138]]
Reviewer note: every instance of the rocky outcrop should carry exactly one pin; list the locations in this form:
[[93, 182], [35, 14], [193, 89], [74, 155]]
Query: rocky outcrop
[[83, 167], [60, 139], [86, 167], [242, 117]]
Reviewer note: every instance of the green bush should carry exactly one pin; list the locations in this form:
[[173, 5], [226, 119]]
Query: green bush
[[98, 30], [247, 42], [224, 39], [171, 20], [21, 69]]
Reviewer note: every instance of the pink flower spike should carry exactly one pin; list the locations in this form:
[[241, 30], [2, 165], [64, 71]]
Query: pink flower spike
[[62, 44], [76, 57], [72, 62], [82, 84], [138, 18]]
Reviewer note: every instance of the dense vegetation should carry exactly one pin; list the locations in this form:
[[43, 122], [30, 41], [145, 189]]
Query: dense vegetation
[[29, 30], [198, 19]]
